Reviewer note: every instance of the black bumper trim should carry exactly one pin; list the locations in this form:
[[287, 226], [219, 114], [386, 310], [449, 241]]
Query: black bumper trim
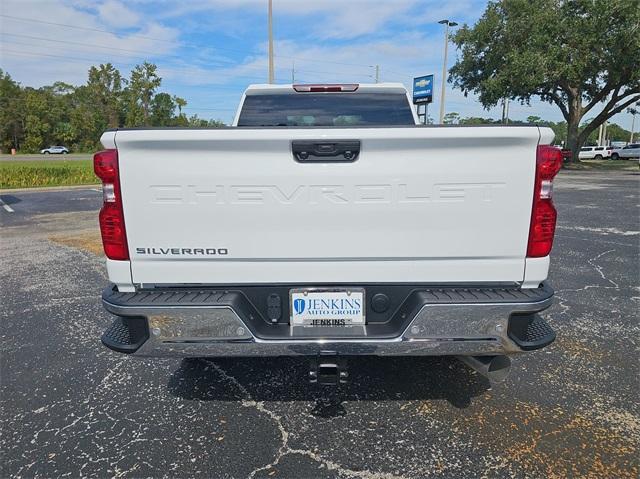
[[159, 297]]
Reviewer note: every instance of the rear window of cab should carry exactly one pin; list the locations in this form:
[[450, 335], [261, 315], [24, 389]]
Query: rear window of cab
[[326, 109]]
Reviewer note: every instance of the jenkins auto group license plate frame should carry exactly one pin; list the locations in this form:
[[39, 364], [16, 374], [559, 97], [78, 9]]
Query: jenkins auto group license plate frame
[[327, 307]]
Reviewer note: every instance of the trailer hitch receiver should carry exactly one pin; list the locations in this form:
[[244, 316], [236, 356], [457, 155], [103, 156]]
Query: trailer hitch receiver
[[328, 369]]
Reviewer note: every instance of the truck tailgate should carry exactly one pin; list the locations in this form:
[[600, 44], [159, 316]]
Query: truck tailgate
[[420, 204]]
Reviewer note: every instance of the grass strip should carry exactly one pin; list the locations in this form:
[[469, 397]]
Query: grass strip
[[603, 165], [38, 173]]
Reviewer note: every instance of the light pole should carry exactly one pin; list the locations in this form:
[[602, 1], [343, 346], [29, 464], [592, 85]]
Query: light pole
[[634, 112], [446, 24], [270, 41]]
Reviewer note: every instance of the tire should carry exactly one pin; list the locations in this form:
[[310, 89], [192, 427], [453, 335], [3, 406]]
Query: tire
[[46, 153], [598, 157], [615, 156], [64, 152]]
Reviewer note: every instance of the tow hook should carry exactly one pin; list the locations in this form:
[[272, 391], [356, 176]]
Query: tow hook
[[328, 369]]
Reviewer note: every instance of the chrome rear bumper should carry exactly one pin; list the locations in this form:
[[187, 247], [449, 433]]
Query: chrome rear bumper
[[153, 324]]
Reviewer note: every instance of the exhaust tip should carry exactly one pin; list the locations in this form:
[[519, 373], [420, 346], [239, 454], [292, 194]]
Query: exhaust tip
[[499, 368], [494, 368]]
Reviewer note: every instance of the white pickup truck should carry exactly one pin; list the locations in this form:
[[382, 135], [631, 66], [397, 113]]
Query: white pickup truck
[[326, 222]]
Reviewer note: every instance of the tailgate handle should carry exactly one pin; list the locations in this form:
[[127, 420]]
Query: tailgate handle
[[325, 151]]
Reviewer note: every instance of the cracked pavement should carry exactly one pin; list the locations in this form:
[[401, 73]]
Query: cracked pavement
[[70, 407]]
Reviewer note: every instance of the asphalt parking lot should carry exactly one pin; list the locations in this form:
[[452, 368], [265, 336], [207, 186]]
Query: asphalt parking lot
[[71, 407]]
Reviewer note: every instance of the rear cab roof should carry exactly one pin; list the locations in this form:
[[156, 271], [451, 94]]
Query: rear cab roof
[[288, 89]]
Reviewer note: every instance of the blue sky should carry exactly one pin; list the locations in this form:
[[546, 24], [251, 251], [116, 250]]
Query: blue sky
[[208, 51]]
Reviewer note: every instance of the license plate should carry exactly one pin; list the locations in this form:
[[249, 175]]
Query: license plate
[[327, 308]]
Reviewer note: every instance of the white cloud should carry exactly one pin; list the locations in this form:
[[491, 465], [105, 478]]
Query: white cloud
[[328, 19], [50, 47], [116, 14], [356, 18]]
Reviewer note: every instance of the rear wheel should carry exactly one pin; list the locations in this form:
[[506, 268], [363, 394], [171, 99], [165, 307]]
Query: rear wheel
[[615, 156], [598, 157]]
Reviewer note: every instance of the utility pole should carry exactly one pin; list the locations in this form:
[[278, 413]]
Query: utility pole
[[633, 112], [447, 24], [377, 73], [600, 135], [293, 72], [505, 111], [270, 41], [506, 118]]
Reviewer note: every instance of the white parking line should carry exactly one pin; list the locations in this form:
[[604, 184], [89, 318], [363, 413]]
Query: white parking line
[[96, 189], [6, 206]]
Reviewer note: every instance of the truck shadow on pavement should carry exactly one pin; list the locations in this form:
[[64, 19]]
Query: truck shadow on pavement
[[286, 379]]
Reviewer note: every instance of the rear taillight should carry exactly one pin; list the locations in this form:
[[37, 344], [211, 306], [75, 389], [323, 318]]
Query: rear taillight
[[543, 213], [114, 236], [329, 87]]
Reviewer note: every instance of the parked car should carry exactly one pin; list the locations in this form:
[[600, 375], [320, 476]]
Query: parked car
[[594, 152], [566, 155], [55, 150], [373, 238], [629, 151]]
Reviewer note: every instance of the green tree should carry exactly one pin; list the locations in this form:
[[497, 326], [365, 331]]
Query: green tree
[[181, 103], [36, 125], [196, 122], [143, 84], [12, 112], [47, 112], [87, 123], [105, 89], [476, 120], [182, 119], [577, 54], [76, 116], [64, 133], [162, 108], [616, 133], [560, 130], [452, 118]]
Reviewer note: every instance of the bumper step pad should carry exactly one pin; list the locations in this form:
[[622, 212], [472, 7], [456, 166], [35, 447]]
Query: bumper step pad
[[126, 335], [530, 331]]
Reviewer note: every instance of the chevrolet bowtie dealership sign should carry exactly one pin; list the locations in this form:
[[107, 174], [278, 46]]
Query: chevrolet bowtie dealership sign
[[423, 89]]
